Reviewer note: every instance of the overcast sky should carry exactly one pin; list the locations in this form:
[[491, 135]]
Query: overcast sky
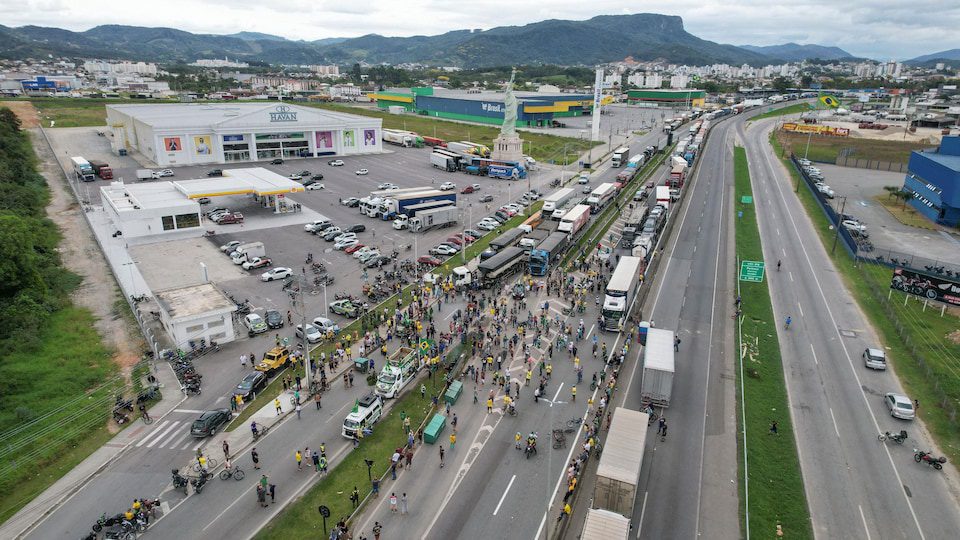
[[880, 29]]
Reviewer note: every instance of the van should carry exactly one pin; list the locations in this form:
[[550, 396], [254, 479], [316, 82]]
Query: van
[[367, 412]]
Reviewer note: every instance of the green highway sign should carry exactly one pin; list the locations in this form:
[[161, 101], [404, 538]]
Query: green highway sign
[[746, 199], [751, 271]]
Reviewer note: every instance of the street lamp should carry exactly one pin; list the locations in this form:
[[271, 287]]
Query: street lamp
[[369, 467]]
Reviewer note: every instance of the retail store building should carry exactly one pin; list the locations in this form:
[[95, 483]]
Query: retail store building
[[934, 179], [199, 133], [680, 98]]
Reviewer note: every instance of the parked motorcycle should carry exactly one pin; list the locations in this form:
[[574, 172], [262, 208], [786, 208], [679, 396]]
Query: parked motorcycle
[[896, 437], [105, 521], [120, 417], [927, 457], [179, 482], [200, 481]]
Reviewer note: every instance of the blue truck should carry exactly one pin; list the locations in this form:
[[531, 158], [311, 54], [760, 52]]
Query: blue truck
[[546, 252]]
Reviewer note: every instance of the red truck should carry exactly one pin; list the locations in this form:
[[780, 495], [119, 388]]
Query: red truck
[[102, 169]]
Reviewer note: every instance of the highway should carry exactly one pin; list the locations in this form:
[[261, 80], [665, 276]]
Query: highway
[[857, 487]]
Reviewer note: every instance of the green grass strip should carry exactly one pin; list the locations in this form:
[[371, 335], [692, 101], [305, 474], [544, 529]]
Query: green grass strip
[[776, 492], [792, 109]]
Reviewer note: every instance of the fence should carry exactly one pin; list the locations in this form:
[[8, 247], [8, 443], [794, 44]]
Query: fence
[[891, 166]]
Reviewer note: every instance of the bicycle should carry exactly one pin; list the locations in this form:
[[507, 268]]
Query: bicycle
[[786, 323], [147, 419], [559, 439], [235, 472], [211, 464]]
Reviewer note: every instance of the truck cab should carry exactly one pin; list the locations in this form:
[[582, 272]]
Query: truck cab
[[462, 276], [275, 359], [400, 369], [401, 222]]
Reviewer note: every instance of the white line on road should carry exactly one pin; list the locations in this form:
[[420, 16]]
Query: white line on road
[[337, 414], [179, 440], [863, 518], [188, 411], [814, 353], [643, 508], [153, 434], [166, 439], [504, 496], [592, 326], [800, 307], [791, 276], [834, 418], [555, 395]]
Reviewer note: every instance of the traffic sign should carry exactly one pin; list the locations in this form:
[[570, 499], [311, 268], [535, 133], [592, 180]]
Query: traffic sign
[[746, 199], [751, 271]]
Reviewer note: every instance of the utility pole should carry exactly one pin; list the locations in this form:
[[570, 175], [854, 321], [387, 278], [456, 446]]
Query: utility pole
[[299, 307], [843, 205]]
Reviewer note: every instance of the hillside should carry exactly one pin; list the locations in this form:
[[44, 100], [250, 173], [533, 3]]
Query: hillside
[[793, 52], [942, 56]]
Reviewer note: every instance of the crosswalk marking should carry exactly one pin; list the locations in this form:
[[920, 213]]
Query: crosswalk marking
[[154, 433], [170, 428], [179, 439]]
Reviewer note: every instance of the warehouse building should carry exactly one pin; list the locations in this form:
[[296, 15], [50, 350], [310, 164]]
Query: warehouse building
[[678, 98], [534, 109], [199, 133], [934, 179]]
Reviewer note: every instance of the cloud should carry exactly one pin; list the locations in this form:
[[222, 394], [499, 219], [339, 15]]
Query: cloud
[[873, 28]]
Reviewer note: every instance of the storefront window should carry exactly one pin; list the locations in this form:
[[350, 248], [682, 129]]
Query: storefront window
[[188, 221], [167, 223]]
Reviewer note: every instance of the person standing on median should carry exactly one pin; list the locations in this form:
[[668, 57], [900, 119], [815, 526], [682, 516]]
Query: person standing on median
[[276, 403]]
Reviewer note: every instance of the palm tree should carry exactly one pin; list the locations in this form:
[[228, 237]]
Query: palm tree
[[891, 191]]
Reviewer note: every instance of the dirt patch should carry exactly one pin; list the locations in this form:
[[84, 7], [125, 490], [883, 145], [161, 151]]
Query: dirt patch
[[80, 253], [25, 111]]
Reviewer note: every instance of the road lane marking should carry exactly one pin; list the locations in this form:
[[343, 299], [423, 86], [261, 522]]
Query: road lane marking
[[800, 307], [153, 434], [834, 418], [643, 509], [863, 518], [814, 353], [172, 435], [188, 411], [504, 496], [552, 401], [175, 443]]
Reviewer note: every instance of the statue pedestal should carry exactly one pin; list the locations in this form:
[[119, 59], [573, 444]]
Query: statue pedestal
[[508, 148]]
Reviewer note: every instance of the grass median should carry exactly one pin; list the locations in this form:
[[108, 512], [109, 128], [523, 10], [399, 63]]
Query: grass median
[[921, 345], [792, 109], [775, 482]]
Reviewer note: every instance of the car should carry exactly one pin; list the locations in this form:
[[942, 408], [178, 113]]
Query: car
[[215, 172], [257, 262], [296, 177], [487, 226], [305, 174], [502, 216], [250, 384], [443, 249], [467, 189], [455, 241], [584, 178], [465, 236], [803, 162], [486, 198], [429, 260], [165, 173], [378, 261], [204, 200], [313, 333], [536, 194], [517, 208], [853, 225], [274, 318], [313, 186], [254, 323], [874, 359], [216, 213], [586, 190], [315, 224], [447, 186], [230, 246], [279, 272], [828, 192], [350, 202], [387, 185], [209, 422], [359, 227], [474, 233], [326, 325], [354, 248], [233, 217], [366, 256], [345, 236], [322, 228], [335, 163], [277, 161], [362, 172], [330, 233], [900, 406], [316, 176], [344, 307], [362, 251], [510, 212], [345, 243]]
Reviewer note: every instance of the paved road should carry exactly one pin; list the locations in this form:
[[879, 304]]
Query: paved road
[[857, 487]]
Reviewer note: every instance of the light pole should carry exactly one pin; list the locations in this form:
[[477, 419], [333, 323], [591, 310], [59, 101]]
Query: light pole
[[843, 206]]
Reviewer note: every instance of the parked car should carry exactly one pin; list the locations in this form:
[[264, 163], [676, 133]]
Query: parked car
[[165, 173], [296, 177], [344, 307], [230, 246], [387, 185], [899, 406], [454, 241], [443, 249], [473, 233], [215, 172], [427, 259], [274, 318], [367, 255], [257, 262], [359, 227], [354, 248], [331, 233], [313, 186], [362, 251], [335, 163], [326, 325], [315, 225], [378, 261], [362, 172], [447, 186], [254, 323], [345, 243], [209, 422], [467, 189], [350, 202], [486, 198], [250, 384], [279, 272], [874, 359], [277, 161], [345, 236], [486, 226], [227, 219], [204, 200], [313, 333]]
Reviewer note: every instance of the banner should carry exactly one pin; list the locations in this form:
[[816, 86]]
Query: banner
[[172, 144], [929, 287], [202, 146], [349, 137], [816, 129], [369, 137], [830, 101], [324, 140]]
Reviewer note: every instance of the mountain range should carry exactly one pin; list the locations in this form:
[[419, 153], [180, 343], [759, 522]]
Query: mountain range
[[605, 38], [942, 56]]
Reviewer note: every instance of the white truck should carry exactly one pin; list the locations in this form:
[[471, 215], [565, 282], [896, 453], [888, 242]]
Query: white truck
[[605, 525], [248, 251], [663, 196], [398, 138], [401, 368], [437, 217], [658, 367], [462, 276], [619, 469], [145, 174]]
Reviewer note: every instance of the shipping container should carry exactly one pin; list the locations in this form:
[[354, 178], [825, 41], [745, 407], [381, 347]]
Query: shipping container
[[619, 470], [605, 525], [656, 386]]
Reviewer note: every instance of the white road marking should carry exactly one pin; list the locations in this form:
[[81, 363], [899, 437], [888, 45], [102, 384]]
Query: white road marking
[[554, 400], [834, 418], [153, 434], [643, 509], [166, 439], [814, 353], [863, 518], [188, 411], [504, 496], [175, 443]]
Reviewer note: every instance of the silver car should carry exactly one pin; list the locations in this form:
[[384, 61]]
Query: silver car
[[874, 359], [899, 406]]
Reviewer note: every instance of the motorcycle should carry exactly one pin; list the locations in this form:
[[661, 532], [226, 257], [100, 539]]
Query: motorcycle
[[104, 521], [512, 410], [531, 448], [121, 403], [179, 482], [927, 457], [200, 481], [896, 437], [309, 258], [192, 388], [120, 417]]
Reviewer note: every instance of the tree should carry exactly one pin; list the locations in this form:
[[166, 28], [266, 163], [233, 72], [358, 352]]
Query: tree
[[356, 74], [806, 81], [782, 84], [891, 191]]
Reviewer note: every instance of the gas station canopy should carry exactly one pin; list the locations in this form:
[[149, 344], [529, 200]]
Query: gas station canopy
[[255, 180]]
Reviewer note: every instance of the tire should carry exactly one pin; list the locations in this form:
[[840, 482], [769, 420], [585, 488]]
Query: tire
[[937, 465], [198, 488], [917, 458], [238, 475], [147, 420], [213, 431], [224, 474], [881, 437], [97, 527]]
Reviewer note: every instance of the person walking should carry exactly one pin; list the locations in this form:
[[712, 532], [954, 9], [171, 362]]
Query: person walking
[[663, 434], [676, 343], [276, 403], [773, 427], [453, 440], [393, 503], [315, 457], [226, 449], [355, 497], [298, 410], [662, 422], [261, 496], [316, 400], [489, 405], [273, 493], [255, 457], [299, 457], [243, 361], [573, 393], [441, 456], [377, 529], [423, 391]]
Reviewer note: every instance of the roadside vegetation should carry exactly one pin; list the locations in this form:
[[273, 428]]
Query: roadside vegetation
[[776, 491], [792, 109], [57, 380], [826, 148], [922, 346]]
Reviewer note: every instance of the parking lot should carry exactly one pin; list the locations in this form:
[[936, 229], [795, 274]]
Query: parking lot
[[620, 121], [860, 187], [166, 263]]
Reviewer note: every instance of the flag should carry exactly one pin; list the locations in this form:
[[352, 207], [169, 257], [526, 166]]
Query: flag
[[830, 101], [356, 406]]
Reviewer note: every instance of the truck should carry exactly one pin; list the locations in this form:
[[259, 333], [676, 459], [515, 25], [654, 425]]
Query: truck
[[508, 170], [658, 367], [402, 220], [605, 525], [468, 149], [507, 239], [398, 204], [505, 262], [562, 210], [248, 251], [556, 199], [663, 196], [601, 196], [102, 169], [462, 277], [547, 251], [619, 157], [443, 216], [678, 171], [443, 161], [82, 169], [145, 174], [627, 174], [401, 368], [618, 472], [274, 360], [402, 138], [574, 220]]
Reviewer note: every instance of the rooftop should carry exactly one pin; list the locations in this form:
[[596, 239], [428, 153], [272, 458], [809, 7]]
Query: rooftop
[[490, 95], [131, 197], [205, 115], [193, 301], [253, 180]]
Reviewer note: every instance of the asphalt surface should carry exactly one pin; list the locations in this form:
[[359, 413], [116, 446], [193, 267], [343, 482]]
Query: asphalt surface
[[857, 487]]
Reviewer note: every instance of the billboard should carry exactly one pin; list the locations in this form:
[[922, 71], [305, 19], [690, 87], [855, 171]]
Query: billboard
[[172, 144], [929, 287], [816, 129], [349, 138], [324, 140], [202, 145], [369, 137]]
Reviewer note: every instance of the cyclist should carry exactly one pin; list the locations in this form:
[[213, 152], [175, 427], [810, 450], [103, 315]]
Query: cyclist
[[143, 412], [253, 429], [786, 324]]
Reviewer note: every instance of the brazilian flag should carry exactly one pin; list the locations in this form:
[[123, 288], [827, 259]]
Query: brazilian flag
[[830, 101]]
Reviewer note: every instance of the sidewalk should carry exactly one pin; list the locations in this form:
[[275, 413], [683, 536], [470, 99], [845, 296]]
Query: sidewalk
[[76, 479]]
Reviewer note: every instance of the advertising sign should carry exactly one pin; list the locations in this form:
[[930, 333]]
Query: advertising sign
[[349, 137], [201, 145], [172, 144], [324, 139], [283, 113], [929, 287], [369, 137], [233, 138], [816, 129]]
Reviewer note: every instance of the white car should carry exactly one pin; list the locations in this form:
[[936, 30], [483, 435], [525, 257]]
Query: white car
[[447, 186], [854, 225], [345, 236], [313, 333], [486, 226], [517, 208], [443, 249], [362, 172], [532, 195], [388, 186], [296, 177], [310, 227], [899, 406], [230, 246], [324, 324], [826, 190], [369, 255], [256, 262], [345, 243], [336, 163], [584, 178], [315, 186], [164, 173], [279, 272], [363, 251]]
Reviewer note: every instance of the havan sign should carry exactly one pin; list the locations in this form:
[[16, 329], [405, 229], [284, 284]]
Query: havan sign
[[283, 113]]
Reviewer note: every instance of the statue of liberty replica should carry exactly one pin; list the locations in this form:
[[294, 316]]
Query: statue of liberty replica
[[508, 146]]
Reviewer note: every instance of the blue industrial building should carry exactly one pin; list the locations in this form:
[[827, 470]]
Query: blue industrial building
[[934, 179]]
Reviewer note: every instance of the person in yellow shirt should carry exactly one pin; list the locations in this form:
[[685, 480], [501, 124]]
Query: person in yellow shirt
[[573, 393], [518, 438], [489, 405], [453, 440]]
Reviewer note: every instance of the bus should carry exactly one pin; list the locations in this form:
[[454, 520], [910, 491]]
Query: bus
[[83, 169], [557, 198], [621, 290], [601, 196], [619, 156], [504, 263]]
